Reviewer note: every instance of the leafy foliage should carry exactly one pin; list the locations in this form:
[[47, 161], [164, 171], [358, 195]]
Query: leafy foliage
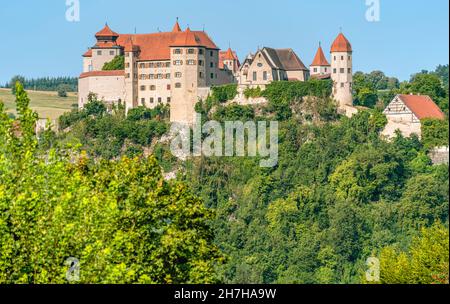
[[122, 221], [118, 63], [224, 93], [435, 133]]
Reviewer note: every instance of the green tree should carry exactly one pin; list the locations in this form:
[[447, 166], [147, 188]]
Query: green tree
[[435, 133], [425, 262], [117, 63], [120, 219]]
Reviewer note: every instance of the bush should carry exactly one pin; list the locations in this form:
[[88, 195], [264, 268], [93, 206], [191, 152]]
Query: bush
[[435, 133], [62, 90], [253, 92], [224, 93]]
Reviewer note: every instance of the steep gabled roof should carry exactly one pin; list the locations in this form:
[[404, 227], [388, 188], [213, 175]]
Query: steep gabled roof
[[341, 44], [422, 106], [284, 59], [320, 59]]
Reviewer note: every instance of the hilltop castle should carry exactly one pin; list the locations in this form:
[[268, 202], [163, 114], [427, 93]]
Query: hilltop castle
[[180, 67], [175, 68]]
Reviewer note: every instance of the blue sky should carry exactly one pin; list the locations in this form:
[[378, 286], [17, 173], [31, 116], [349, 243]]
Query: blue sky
[[411, 35]]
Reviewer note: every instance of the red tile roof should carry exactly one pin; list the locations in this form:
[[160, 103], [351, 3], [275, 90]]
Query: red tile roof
[[341, 44], [88, 53], [422, 106], [106, 32], [102, 73], [156, 46], [228, 55], [320, 59]]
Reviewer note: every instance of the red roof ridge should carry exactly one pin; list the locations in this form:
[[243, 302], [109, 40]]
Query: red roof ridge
[[341, 44], [320, 59], [102, 73]]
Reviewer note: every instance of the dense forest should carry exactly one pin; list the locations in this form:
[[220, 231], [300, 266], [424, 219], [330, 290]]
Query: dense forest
[[339, 195], [69, 84]]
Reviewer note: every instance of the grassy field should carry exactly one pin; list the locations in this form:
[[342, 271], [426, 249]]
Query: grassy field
[[46, 104]]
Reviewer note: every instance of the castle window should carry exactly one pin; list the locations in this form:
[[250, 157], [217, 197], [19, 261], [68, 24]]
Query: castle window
[[212, 75], [255, 76], [167, 64], [334, 58], [264, 75], [211, 53], [143, 76], [178, 62], [190, 62], [200, 75], [127, 65], [142, 65], [211, 64], [99, 53], [168, 76], [142, 88], [168, 87], [111, 53], [315, 70], [342, 57], [152, 88], [143, 102], [334, 71], [191, 51], [342, 70], [178, 75], [128, 75], [177, 51], [152, 99], [151, 65], [159, 99], [326, 70], [160, 76], [159, 64], [168, 99], [200, 62], [349, 70], [151, 76], [342, 84], [200, 51], [260, 65], [178, 85]]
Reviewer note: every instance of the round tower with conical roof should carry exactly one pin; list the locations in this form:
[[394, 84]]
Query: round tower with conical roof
[[342, 71]]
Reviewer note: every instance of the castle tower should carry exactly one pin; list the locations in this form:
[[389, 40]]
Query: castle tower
[[342, 71], [320, 65], [230, 61], [105, 49], [188, 69], [131, 74]]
